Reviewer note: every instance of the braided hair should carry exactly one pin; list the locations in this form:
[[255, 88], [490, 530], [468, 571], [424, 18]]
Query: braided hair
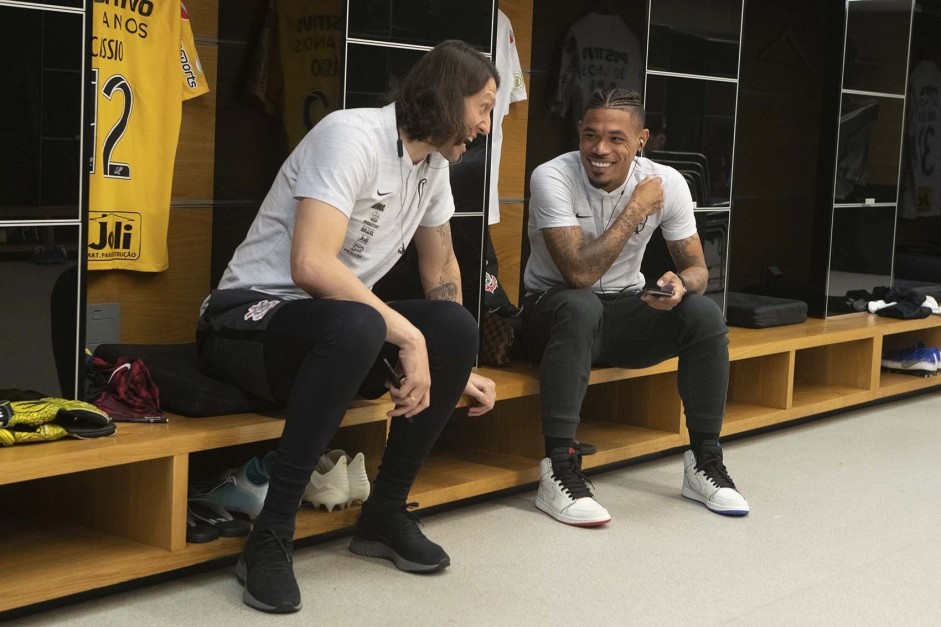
[[621, 99]]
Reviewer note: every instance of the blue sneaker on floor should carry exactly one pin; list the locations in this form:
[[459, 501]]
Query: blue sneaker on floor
[[919, 360], [240, 490]]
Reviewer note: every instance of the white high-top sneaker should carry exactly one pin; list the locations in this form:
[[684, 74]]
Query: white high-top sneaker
[[563, 491], [330, 488], [709, 482], [356, 471]]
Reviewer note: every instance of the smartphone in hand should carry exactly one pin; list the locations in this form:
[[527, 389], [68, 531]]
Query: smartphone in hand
[[394, 377], [655, 290]]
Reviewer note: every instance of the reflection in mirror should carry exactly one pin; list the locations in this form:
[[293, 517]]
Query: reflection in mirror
[[692, 122], [876, 56], [918, 229], [695, 37], [373, 73], [867, 167], [298, 56], [40, 164], [860, 254], [423, 22], [467, 233], [39, 279]]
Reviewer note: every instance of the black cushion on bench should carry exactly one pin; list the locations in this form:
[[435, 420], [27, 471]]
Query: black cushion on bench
[[183, 388], [760, 312]]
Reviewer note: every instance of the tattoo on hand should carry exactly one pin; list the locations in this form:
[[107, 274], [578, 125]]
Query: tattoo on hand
[[445, 291]]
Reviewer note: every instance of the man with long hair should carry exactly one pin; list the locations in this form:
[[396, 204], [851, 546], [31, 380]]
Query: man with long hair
[[295, 321]]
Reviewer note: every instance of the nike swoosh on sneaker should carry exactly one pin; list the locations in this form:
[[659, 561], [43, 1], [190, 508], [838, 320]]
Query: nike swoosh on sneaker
[[382, 193]]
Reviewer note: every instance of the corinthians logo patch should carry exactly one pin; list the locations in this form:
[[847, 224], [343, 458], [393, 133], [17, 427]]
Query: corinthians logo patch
[[257, 311]]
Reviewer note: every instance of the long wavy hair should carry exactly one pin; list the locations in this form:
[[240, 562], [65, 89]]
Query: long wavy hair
[[429, 105]]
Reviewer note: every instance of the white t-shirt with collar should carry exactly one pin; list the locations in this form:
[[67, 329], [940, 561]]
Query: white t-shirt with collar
[[349, 160], [561, 195]]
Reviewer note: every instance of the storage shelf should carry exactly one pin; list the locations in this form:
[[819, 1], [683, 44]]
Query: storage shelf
[[818, 398], [453, 474], [778, 375], [50, 558], [619, 442], [892, 383], [741, 417], [138, 442]]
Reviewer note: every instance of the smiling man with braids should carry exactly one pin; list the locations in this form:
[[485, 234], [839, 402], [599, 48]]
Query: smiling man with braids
[[591, 215]]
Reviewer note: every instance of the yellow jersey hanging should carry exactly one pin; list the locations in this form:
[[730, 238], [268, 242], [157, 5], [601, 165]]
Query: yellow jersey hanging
[[144, 64], [296, 66]]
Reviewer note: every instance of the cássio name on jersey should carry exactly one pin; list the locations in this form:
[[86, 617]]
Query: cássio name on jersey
[[130, 19]]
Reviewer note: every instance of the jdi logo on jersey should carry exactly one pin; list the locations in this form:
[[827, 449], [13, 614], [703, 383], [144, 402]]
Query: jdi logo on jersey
[[114, 236]]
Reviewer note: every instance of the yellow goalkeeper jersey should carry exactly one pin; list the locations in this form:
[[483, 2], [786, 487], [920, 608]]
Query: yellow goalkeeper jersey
[[144, 65]]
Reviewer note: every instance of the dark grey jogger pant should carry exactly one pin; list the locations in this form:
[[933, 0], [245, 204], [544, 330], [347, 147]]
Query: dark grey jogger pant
[[571, 330]]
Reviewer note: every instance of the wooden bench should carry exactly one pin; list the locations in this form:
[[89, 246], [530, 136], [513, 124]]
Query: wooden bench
[[80, 515]]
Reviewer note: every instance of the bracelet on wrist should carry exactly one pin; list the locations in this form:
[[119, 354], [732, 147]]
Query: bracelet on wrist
[[682, 282]]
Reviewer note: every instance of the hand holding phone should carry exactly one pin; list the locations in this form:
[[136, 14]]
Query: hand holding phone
[[394, 378], [654, 290]]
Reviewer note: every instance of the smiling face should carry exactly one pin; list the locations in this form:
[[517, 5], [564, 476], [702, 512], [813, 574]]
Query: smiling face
[[477, 110], [608, 141]]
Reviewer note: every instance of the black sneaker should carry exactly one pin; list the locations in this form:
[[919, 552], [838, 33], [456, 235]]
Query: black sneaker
[[393, 534], [266, 568]]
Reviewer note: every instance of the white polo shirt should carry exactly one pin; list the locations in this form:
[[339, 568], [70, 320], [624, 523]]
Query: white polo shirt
[[562, 196], [349, 160]]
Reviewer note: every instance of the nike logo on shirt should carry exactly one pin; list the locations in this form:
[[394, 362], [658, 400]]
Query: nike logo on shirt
[[382, 193], [582, 217]]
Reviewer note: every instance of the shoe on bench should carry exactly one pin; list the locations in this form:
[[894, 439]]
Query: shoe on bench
[[328, 487], [563, 491], [919, 360], [266, 569], [706, 480], [393, 533], [356, 473]]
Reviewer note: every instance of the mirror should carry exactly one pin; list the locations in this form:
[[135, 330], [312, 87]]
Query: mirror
[[40, 145], [875, 62], [39, 280], [860, 254], [695, 37], [870, 136], [423, 22], [692, 124]]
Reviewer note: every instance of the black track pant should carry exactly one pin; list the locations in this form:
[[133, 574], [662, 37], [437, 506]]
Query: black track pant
[[318, 354]]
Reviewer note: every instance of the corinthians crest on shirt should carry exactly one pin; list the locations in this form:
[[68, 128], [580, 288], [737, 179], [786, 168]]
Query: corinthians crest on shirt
[[114, 235]]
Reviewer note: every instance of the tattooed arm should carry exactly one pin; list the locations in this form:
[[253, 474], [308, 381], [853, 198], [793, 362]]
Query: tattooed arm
[[688, 257], [437, 265], [582, 261], [441, 279]]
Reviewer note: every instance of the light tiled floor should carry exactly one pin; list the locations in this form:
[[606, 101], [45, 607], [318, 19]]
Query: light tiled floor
[[844, 530]]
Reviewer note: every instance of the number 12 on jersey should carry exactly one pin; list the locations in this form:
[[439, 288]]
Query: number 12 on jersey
[[114, 84]]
